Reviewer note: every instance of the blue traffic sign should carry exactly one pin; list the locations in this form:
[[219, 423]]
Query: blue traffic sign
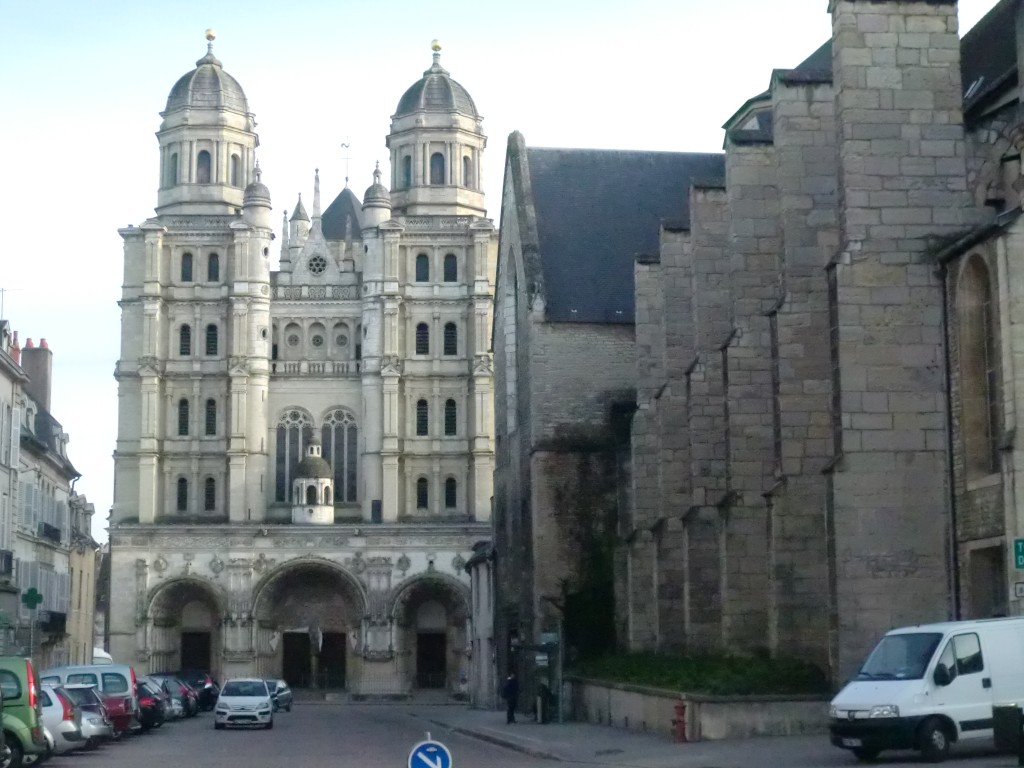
[[430, 754]]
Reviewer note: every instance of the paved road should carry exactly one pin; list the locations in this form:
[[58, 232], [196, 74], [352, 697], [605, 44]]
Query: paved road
[[367, 736]]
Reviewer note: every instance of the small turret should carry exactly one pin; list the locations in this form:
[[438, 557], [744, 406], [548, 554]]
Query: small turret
[[256, 203], [312, 500], [299, 224], [376, 202]]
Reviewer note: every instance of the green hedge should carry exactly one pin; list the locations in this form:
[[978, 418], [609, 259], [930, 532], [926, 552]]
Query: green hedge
[[716, 675]]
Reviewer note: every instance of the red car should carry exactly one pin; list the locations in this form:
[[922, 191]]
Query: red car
[[119, 710]]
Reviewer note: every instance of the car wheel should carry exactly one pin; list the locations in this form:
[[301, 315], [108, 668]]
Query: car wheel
[[269, 725], [218, 726], [288, 708], [866, 755], [17, 758], [933, 740]]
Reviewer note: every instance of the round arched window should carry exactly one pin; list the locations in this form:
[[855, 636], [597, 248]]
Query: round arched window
[[317, 264]]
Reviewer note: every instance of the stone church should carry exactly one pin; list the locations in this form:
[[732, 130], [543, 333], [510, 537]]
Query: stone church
[[305, 455], [822, 397]]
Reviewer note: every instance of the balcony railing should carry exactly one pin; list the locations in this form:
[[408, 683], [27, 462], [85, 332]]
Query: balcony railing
[[49, 532], [315, 367]]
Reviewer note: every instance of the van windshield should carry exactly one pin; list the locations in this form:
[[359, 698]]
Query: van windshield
[[900, 657]]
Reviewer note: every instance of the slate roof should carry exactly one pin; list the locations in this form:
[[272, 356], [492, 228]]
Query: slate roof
[[346, 206], [597, 210]]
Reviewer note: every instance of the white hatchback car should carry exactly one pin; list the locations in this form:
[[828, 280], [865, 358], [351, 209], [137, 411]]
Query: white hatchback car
[[244, 701]]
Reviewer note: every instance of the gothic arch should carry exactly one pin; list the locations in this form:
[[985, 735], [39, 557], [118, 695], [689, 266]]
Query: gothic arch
[[456, 594], [353, 588], [187, 583]]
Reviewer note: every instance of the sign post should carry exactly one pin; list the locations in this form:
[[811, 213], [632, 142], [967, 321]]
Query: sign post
[[430, 754], [31, 598]]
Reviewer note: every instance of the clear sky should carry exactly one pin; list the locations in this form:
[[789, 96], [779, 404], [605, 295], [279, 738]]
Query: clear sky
[[83, 83]]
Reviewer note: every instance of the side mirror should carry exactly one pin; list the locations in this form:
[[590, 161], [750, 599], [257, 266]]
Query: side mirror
[[942, 676]]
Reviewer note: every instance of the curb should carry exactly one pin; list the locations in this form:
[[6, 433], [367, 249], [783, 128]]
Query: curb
[[497, 740]]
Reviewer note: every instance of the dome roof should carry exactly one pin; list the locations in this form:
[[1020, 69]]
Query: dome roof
[[377, 194], [207, 87], [257, 191], [314, 467], [436, 92]]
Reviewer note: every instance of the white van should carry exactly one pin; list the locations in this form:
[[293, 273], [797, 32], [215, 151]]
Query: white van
[[927, 686]]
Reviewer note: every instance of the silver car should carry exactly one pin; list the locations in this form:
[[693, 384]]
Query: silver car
[[62, 717], [96, 726]]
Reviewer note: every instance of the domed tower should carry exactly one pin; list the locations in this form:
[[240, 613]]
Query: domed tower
[[436, 144], [207, 140], [312, 499]]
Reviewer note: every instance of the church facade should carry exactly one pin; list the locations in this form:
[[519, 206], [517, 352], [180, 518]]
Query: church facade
[[305, 456]]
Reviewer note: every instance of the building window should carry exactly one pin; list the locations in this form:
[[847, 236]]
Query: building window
[[451, 339], [311, 494], [437, 168], [467, 172], [186, 267], [422, 489], [185, 341], [422, 418], [294, 432], [450, 493], [980, 423], [210, 495], [450, 417], [339, 438], [211, 417], [171, 171], [183, 416], [203, 167], [422, 268], [451, 268], [211, 339], [407, 171], [213, 268], [422, 339], [182, 495], [236, 171]]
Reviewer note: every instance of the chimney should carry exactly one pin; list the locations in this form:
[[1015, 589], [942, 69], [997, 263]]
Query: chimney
[[15, 350], [37, 362]]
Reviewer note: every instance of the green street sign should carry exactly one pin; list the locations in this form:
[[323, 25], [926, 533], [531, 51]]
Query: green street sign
[[32, 597]]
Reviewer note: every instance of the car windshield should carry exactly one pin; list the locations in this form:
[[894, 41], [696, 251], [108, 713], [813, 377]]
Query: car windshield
[[900, 657], [244, 688]]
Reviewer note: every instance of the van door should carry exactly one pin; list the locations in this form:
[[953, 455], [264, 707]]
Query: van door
[[967, 698]]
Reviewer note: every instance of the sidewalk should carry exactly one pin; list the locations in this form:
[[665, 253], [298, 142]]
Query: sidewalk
[[600, 745]]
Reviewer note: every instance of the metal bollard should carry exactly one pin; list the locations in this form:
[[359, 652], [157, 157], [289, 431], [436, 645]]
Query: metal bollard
[[1020, 736], [679, 723]]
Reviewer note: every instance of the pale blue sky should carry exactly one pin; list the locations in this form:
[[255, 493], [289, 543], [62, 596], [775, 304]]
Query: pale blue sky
[[82, 84]]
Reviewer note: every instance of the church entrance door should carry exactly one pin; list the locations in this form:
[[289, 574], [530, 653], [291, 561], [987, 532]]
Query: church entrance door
[[431, 650], [297, 658], [332, 660], [195, 650]]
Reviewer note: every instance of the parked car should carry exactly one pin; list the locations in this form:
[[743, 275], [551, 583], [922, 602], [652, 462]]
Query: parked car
[[152, 705], [119, 710], [171, 697], [280, 694], [62, 717], [109, 679], [22, 724], [202, 683], [180, 692], [96, 725], [245, 701]]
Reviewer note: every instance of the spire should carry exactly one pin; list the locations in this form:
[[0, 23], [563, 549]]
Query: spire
[[300, 211], [316, 193], [284, 230], [258, 172], [376, 172]]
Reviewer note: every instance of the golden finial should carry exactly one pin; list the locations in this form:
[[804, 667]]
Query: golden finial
[[435, 45], [211, 35]]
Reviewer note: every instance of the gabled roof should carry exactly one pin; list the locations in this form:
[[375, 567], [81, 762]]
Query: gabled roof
[[596, 211], [345, 208]]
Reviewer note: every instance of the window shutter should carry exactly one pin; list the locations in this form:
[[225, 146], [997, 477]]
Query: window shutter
[[15, 437], [63, 580]]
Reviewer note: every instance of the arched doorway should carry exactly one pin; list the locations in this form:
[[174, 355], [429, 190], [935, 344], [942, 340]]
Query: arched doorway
[[430, 616], [185, 616], [309, 616]]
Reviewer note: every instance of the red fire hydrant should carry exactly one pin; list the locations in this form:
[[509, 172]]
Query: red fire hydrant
[[679, 723]]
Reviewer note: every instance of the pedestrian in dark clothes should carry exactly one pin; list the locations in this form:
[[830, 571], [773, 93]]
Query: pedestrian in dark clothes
[[510, 692]]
